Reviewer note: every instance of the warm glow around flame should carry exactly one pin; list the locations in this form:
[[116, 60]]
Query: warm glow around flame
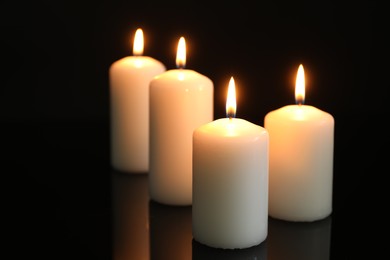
[[138, 46], [181, 53], [231, 105], [300, 86]]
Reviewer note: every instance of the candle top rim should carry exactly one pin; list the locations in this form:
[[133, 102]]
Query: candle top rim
[[232, 128], [182, 74], [132, 58], [138, 61], [302, 113], [303, 107]]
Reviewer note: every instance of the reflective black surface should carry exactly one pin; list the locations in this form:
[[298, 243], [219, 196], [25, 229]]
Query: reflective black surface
[[65, 202], [144, 229], [299, 240]]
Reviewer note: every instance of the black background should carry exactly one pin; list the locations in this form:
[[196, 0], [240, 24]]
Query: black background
[[54, 103]]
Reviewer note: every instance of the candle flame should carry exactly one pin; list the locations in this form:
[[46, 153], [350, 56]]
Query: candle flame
[[138, 47], [181, 53], [300, 86], [231, 105]]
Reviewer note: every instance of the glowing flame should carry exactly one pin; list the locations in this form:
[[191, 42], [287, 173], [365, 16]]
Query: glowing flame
[[300, 86], [231, 105], [181, 53], [138, 47]]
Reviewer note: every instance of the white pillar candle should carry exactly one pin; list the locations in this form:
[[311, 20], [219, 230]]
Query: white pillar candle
[[180, 100], [129, 105], [301, 159], [230, 182]]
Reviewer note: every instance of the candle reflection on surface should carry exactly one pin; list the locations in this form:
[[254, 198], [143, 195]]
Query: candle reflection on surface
[[170, 231], [130, 216], [299, 240], [144, 229], [203, 252]]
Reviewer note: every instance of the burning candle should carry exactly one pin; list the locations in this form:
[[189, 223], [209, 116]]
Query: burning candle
[[129, 105], [230, 181], [301, 159], [180, 101]]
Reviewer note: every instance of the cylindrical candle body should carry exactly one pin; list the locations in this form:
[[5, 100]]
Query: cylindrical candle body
[[301, 163], [230, 184], [129, 104], [180, 101]]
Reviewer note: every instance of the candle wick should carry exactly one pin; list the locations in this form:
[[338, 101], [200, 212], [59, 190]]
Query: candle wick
[[300, 101], [230, 114], [180, 66]]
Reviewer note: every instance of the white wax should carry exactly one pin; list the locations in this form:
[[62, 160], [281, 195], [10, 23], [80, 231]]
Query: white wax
[[230, 184], [180, 101], [129, 105], [301, 163]]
